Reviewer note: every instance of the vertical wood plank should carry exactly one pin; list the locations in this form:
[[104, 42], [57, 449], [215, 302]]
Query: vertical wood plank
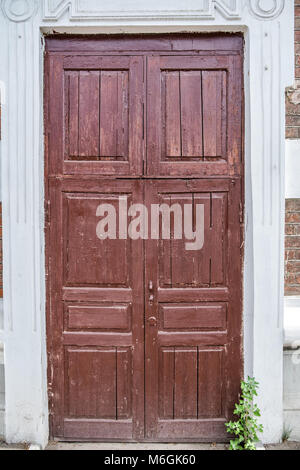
[[203, 256], [182, 260], [124, 390], [89, 114], [172, 115], [56, 115], [154, 116], [104, 372], [73, 114], [191, 113], [165, 252], [81, 401], [122, 117], [214, 94], [166, 383], [210, 384], [185, 405], [108, 114], [218, 238]]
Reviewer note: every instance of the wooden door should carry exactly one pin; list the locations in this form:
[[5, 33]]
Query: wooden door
[[96, 360], [192, 300], [144, 335]]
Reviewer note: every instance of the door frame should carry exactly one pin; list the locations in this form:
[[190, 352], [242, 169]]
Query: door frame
[[57, 177], [24, 276]]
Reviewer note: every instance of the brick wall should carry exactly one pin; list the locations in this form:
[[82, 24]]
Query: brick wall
[[293, 95], [292, 247], [292, 227]]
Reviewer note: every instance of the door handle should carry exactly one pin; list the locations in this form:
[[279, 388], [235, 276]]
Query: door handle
[[152, 321], [150, 286]]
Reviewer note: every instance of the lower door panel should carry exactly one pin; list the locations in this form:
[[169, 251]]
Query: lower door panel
[[144, 335]]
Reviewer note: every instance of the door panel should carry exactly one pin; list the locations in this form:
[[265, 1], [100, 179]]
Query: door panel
[[91, 96], [181, 268], [97, 315], [87, 262], [192, 320], [194, 115], [96, 115]]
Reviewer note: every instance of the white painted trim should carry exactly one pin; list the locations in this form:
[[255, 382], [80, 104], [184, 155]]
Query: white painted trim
[[137, 10], [292, 322], [292, 169], [291, 392], [269, 68]]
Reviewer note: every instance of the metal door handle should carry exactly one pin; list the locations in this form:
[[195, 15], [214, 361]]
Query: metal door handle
[[150, 286], [152, 321]]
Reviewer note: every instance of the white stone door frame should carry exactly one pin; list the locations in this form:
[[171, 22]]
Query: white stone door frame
[[269, 68]]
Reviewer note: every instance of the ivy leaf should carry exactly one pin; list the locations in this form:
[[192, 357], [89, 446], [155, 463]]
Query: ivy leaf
[[246, 427]]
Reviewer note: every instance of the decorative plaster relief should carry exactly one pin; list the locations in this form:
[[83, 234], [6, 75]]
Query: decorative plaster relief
[[93, 9], [266, 9], [19, 10], [198, 9]]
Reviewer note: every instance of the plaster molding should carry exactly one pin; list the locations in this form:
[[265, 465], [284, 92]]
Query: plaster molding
[[19, 11], [266, 9], [53, 11], [229, 9]]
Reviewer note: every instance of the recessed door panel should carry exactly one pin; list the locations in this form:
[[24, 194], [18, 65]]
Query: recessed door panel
[[96, 115], [194, 122]]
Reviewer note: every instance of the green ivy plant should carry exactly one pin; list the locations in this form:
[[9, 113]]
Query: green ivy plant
[[246, 429]]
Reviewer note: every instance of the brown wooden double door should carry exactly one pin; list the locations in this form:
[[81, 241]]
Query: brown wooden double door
[[144, 335]]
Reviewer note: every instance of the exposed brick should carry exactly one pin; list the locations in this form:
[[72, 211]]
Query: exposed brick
[[292, 229], [292, 290], [292, 205], [292, 254], [293, 279], [292, 108], [293, 121], [292, 217], [292, 132], [293, 267], [292, 242]]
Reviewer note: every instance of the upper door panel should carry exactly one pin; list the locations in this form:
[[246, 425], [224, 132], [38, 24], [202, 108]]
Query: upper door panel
[[98, 102], [194, 111], [178, 97]]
